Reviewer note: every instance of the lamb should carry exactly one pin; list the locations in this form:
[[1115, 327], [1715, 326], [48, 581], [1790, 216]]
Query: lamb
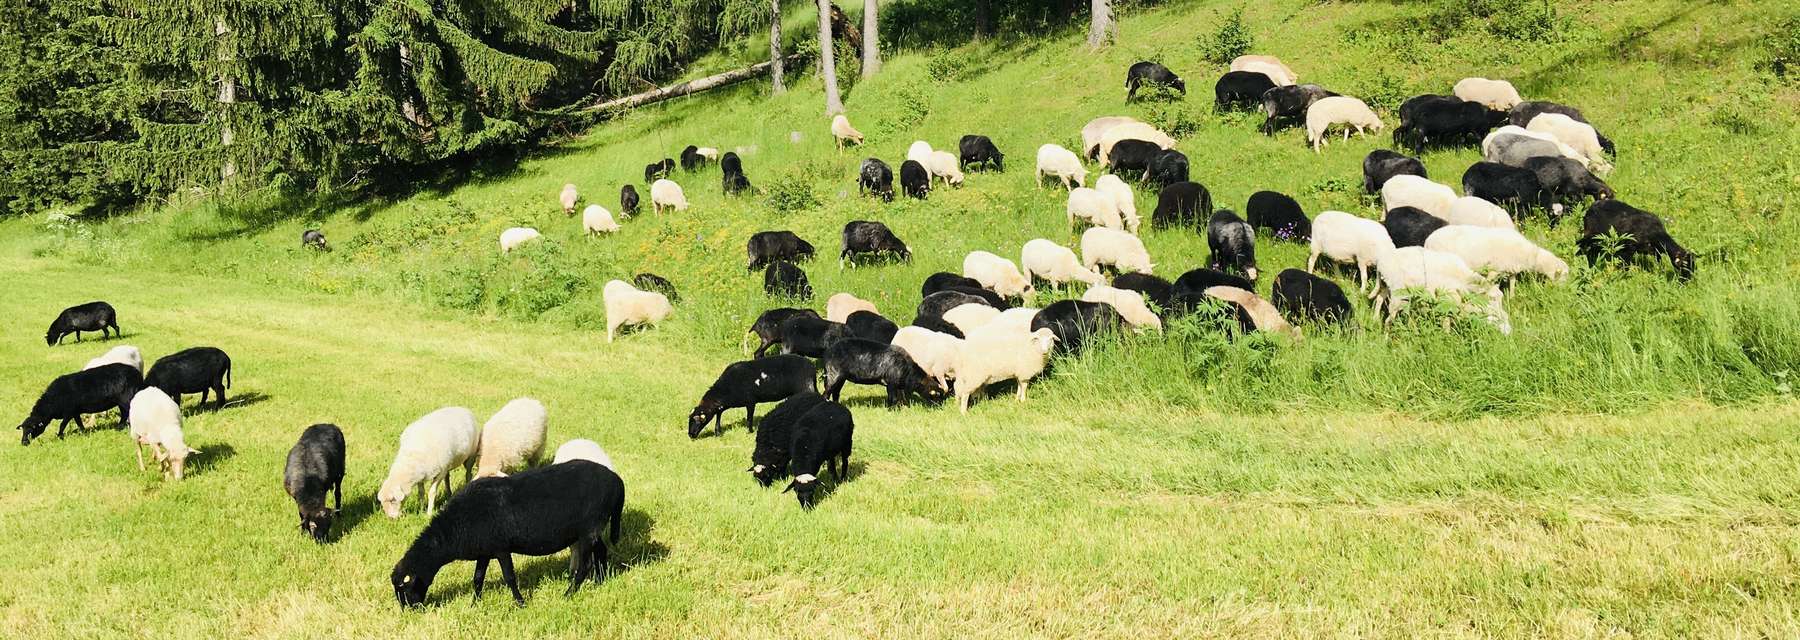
[[1336, 110], [1117, 249], [569, 198], [767, 247], [596, 219], [843, 132], [933, 351], [1500, 251], [125, 354], [1095, 129], [156, 423], [1417, 192], [919, 152], [1310, 298], [970, 316], [1054, 263], [197, 370], [1263, 316], [314, 239], [430, 448], [811, 337], [652, 282], [732, 178], [945, 165], [1182, 204], [1132, 157], [995, 358], [876, 177], [748, 383], [1270, 66], [1579, 136], [769, 460], [1383, 164], [1131, 131], [1286, 105], [582, 449], [1430, 120], [1147, 73], [538, 512], [979, 152], [659, 169], [822, 436], [1641, 233], [1434, 272], [628, 306], [840, 305], [665, 194], [869, 325], [1342, 237], [943, 280], [1498, 95], [1475, 211], [999, 274], [1280, 214], [628, 201], [87, 391], [1072, 323], [1188, 292], [1512, 146], [93, 316], [1167, 168], [1158, 291], [914, 179], [514, 237], [690, 158], [869, 362], [1093, 207], [314, 466], [513, 438], [1233, 244], [1129, 304], [1240, 90], [1122, 197], [1060, 163], [768, 326], [1525, 112], [785, 280]]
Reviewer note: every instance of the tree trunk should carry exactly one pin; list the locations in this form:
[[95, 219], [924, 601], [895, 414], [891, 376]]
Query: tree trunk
[[227, 97], [828, 61], [1102, 22], [983, 18], [775, 44], [871, 49], [689, 87]]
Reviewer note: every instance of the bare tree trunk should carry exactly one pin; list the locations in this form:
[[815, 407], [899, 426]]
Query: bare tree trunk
[[871, 49], [775, 44], [692, 86], [983, 15], [227, 97], [1101, 23], [828, 61]]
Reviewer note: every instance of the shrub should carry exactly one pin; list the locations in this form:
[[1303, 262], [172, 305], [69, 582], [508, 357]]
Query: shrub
[[790, 194], [947, 66], [1783, 56], [1233, 39]]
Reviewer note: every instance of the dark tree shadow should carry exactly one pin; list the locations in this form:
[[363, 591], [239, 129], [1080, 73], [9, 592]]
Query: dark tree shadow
[[209, 458], [637, 547]]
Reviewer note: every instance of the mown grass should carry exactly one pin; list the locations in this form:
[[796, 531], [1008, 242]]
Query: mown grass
[[1620, 465]]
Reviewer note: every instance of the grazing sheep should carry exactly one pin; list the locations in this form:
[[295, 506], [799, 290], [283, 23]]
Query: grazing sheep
[[87, 391], [1072, 323], [1129, 304], [869, 362], [1054, 263], [1430, 120], [1016, 320], [1419, 193], [1640, 233], [1158, 291], [1238, 90], [314, 239], [869, 325], [1287, 105], [783, 279], [1512, 146], [920, 152], [315, 465], [628, 201], [1566, 180], [945, 165], [1182, 204], [538, 513], [514, 237], [1280, 214], [999, 274], [156, 423], [628, 306], [1410, 226], [1131, 131], [708, 154], [840, 305], [1233, 244], [1263, 316], [1148, 73], [1434, 272], [979, 152], [970, 316], [1122, 198], [1525, 112], [748, 383], [1579, 136], [1502, 252], [659, 169], [652, 282], [867, 238], [513, 438], [124, 354], [940, 303], [768, 326], [1188, 293], [933, 351], [1510, 186], [769, 460], [1167, 168], [733, 180], [943, 280], [1309, 298], [1342, 237], [999, 357], [1117, 249], [569, 198], [93, 316], [690, 158], [822, 436], [430, 448], [582, 449], [843, 132], [1093, 207], [1060, 163], [1339, 110], [767, 247], [877, 178], [1095, 129], [915, 181], [1475, 211], [197, 370], [1271, 66], [1133, 158], [596, 219], [1498, 95], [1382, 164], [810, 337], [667, 194]]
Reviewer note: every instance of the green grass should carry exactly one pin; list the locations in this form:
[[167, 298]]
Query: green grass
[[1620, 466]]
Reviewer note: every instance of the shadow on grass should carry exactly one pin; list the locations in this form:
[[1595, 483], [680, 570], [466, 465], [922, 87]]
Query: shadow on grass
[[359, 509], [209, 458], [636, 548], [234, 402]]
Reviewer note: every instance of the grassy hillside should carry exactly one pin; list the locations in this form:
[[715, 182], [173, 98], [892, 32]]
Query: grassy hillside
[[1619, 466]]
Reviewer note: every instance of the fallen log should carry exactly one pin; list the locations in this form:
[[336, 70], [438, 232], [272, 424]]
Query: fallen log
[[690, 87]]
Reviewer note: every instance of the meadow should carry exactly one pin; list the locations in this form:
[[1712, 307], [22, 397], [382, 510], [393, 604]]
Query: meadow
[[1622, 465]]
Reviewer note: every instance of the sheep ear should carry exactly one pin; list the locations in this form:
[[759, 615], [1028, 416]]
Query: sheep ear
[[789, 487]]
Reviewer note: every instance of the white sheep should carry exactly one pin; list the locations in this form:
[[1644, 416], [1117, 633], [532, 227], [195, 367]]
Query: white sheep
[[430, 448], [1481, 213], [1055, 264], [1339, 110], [1414, 191], [1501, 251], [997, 274], [1093, 207], [569, 197], [839, 307], [1498, 95], [992, 358], [1130, 304], [513, 438], [122, 354], [1121, 250], [1262, 314], [1491, 151], [156, 423], [1435, 272], [970, 316], [629, 306], [1132, 131], [1016, 320], [712, 155], [920, 152], [944, 165], [1060, 163], [596, 219], [1342, 237], [1575, 134], [511, 238], [841, 129], [1096, 129], [582, 449], [1122, 197], [665, 193], [933, 351], [1270, 66]]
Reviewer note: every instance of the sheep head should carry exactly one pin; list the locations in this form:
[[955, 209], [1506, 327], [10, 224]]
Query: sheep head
[[32, 427], [317, 523], [410, 586], [804, 487]]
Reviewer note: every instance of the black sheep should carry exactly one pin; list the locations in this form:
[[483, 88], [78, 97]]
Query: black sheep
[[935, 305], [1132, 158], [987, 296], [1233, 244], [943, 280], [315, 466], [822, 436], [745, 384], [768, 325], [88, 391], [784, 280], [1156, 290], [1286, 106], [1304, 296], [1640, 233], [1183, 204], [914, 179], [1240, 90], [977, 151], [734, 180], [314, 239], [537, 512], [198, 370], [652, 282], [1075, 321], [867, 238], [1513, 187], [1410, 226], [93, 316], [877, 178], [1567, 181], [871, 326], [1168, 167], [1280, 214], [660, 169], [769, 460], [1523, 112], [628, 200], [691, 158], [1150, 73], [871, 362], [767, 247], [1432, 120], [1383, 164], [937, 323], [1189, 290], [810, 337]]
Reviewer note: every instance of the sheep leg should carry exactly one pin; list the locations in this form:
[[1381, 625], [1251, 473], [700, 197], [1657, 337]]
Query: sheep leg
[[580, 562], [597, 564], [1312, 262], [1022, 385], [339, 490], [1362, 275], [140, 455], [220, 391], [750, 417], [480, 576], [431, 496], [512, 579]]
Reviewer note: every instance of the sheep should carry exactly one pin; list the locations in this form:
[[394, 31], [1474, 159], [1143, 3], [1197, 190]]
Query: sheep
[[1233, 244], [1188, 293], [1131, 131], [513, 438], [1093, 207], [1417, 192], [843, 132], [1432, 120], [1500, 251], [1337, 110], [92, 316], [920, 152], [569, 198], [659, 169], [430, 448], [822, 436], [782, 279], [970, 316], [156, 423], [514, 237], [1117, 249], [88, 391], [979, 152], [628, 306], [1262, 315], [1156, 290], [1525, 112], [1342, 237], [1148, 73], [768, 326], [1507, 185], [840, 305], [197, 370], [628, 201], [875, 177], [1167, 168], [1410, 226], [538, 512], [998, 274], [315, 465], [915, 181], [1498, 95], [1434, 272], [1182, 204], [933, 351], [945, 165], [1309, 298], [943, 280], [810, 336], [1270, 66], [1511, 145], [732, 178], [1566, 180], [769, 460], [1132, 157], [1072, 323], [869, 362], [1016, 321], [1122, 197], [596, 219], [1240, 90], [582, 449], [666, 194], [314, 239], [1383, 164], [1059, 163], [767, 247], [1579, 136], [1640, 233], [940, 303], [1095, 129], [1054, 263], [1471, 210], [868, 238], [124, 354], [690, 158], [748, 383], [995, 358], [1280, 214], [869, 325], [1286, 105], [1129, 304], [652, 282], [708, 154]]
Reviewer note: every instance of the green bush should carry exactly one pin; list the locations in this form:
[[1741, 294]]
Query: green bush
[[1233, 39], [791, 194], [947, 66], [1783, 56]]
